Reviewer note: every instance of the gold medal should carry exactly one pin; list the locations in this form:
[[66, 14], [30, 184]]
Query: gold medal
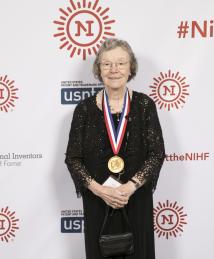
[[115, 164]]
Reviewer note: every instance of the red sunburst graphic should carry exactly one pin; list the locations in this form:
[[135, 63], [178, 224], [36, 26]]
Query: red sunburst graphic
[[8, 224], [7, 94], [83, 27], [169, 90], [169, 219]]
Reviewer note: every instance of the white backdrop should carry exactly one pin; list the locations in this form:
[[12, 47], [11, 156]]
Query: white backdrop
[[40, 216]]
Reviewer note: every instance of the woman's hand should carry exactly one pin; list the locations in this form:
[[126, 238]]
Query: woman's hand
[[111, 196], [127, 189]]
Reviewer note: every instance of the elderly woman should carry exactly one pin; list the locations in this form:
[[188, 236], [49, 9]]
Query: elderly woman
[[116, 132]]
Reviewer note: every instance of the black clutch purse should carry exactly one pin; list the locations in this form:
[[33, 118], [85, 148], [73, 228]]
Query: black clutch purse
[[119, 243]]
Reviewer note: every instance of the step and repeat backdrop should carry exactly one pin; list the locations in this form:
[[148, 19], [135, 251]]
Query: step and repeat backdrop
[[47, 50]]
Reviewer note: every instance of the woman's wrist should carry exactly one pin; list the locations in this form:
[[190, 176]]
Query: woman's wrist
[[131, 186], [135, 183], [95, 187]]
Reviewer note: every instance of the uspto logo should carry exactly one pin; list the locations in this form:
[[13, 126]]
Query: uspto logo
[[72, 221], [8, 224], [82, 27], [7, 94], [169, 90], [169, 219]]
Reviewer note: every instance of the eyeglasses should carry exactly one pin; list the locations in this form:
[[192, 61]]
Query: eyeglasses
[[108, 65]]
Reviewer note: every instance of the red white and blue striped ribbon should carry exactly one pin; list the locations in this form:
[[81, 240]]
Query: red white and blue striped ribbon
[[116, 136]]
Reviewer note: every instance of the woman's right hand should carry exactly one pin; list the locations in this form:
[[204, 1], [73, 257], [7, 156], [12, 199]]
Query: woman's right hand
[[111, 196]]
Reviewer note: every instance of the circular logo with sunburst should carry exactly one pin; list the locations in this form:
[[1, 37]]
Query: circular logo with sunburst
[[169, 90], [8, 224], [169, 219], [7, 94], [83, 27]]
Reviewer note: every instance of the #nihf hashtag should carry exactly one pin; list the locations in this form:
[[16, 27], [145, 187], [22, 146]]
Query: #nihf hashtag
[[183, 29]]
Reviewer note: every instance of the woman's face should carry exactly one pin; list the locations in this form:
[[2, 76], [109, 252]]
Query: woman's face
[[115, 68]]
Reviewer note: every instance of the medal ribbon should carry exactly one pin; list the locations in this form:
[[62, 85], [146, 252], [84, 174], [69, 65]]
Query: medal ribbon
[[116, 137]]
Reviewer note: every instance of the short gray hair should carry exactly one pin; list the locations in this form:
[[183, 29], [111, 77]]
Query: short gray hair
[[110, 44]]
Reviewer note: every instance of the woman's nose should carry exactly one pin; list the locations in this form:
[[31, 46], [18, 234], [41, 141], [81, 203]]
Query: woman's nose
[[113, 67]]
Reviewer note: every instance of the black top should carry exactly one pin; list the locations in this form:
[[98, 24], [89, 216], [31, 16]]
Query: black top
[[89, 148]]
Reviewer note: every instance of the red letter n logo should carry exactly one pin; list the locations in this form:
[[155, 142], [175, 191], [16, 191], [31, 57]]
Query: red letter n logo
[[86, 28], [169, 90], [2, 225], [1, 93], [167, 219]]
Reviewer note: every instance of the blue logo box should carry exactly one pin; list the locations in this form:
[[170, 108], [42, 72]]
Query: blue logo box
[[75, 95], [72, 224]]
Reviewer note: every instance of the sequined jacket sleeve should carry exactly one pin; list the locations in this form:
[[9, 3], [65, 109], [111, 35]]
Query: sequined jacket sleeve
[[74, 153], [149, 171]]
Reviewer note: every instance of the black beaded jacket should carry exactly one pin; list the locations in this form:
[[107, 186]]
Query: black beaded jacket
[[143, 145]]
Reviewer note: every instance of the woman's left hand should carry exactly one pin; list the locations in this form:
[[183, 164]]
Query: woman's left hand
[[127, 189]]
